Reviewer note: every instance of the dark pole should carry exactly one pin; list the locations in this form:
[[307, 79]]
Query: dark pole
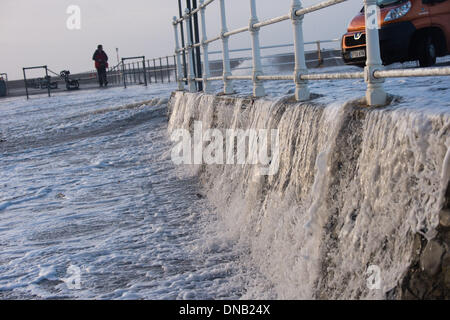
[[168, 69], [175, 67], [139, 71], [138, 74], [25, 79], [149, 74], [193, 60], [123, 74], [161, 70], [154, 71], [197, 40], [48, 80], [183, 44], [145, 71], [7, 88]]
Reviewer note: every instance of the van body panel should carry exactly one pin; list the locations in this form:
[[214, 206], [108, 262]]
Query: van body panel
[[399, 38]]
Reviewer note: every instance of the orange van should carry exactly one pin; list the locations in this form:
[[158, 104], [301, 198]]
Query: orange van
[[409, 30]]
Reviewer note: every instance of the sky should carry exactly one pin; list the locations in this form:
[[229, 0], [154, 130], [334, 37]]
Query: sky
[[35, 32]]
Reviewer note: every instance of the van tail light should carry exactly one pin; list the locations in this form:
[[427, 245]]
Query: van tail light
[[398, 12]]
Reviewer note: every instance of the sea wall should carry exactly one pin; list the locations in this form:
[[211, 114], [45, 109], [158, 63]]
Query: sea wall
[[360, 205]]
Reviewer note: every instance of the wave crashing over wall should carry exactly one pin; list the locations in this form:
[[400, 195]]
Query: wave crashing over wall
[[360, 193]]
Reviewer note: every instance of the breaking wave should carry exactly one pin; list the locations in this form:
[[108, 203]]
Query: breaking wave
[[354, 188]]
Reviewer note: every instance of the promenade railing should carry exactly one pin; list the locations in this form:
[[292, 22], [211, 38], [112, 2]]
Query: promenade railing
[[374, 73]]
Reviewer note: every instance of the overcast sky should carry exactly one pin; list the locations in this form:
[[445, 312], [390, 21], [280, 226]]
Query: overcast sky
[[34, 32]]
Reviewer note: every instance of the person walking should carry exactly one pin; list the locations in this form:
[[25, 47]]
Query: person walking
[[101, 63]]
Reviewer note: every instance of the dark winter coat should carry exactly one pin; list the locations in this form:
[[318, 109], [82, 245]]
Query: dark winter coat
[[101, 59]]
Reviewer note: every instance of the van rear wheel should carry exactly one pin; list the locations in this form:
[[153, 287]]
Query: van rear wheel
[[427, 51]]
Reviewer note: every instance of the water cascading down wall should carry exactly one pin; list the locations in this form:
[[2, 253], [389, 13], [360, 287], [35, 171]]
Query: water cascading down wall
[[358, 191]]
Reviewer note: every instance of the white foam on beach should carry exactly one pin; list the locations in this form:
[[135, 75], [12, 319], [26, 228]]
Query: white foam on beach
[[87, 180]]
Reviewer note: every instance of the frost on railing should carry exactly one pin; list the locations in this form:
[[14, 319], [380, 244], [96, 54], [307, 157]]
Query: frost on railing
[[373, 73]]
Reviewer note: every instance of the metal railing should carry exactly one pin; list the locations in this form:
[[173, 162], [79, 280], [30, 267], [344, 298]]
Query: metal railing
[[46, 83], [4, 77], [318, 60], [373, 73], [145, 71]]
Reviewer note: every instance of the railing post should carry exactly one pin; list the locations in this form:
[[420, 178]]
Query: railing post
[[149, 74], [145, 71], [25, 80], [206, 72], [161, 69], [48, 80], [191, 73], [301, 86], [168, 68], [154, 71], [175, 67], [375, 93], [124, 75], [319, 54], [138, 73], [228, 85], [258, 86]]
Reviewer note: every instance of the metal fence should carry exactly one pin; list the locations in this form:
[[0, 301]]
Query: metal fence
[[45, 84], [316, 57], [144, 71], [4, 77], [373, 73]]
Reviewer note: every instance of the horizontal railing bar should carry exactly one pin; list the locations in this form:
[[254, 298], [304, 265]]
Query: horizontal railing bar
[[234, 50], [37, 67], [276, 77], [280, 46], [331, 76], [271, 21], [318, 6], [240, 77], [424, 72], [237, 31], [276, 64], [313, 76], [213, 39], [242, 68], [267, 65], [208, 2], [395, 73], [332, 58], [305, 43], [201, 7], [155, 70], [298, 13], [445, 71], [133, 58]]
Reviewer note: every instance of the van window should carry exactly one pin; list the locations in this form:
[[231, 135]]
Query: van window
[[385, 3]]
